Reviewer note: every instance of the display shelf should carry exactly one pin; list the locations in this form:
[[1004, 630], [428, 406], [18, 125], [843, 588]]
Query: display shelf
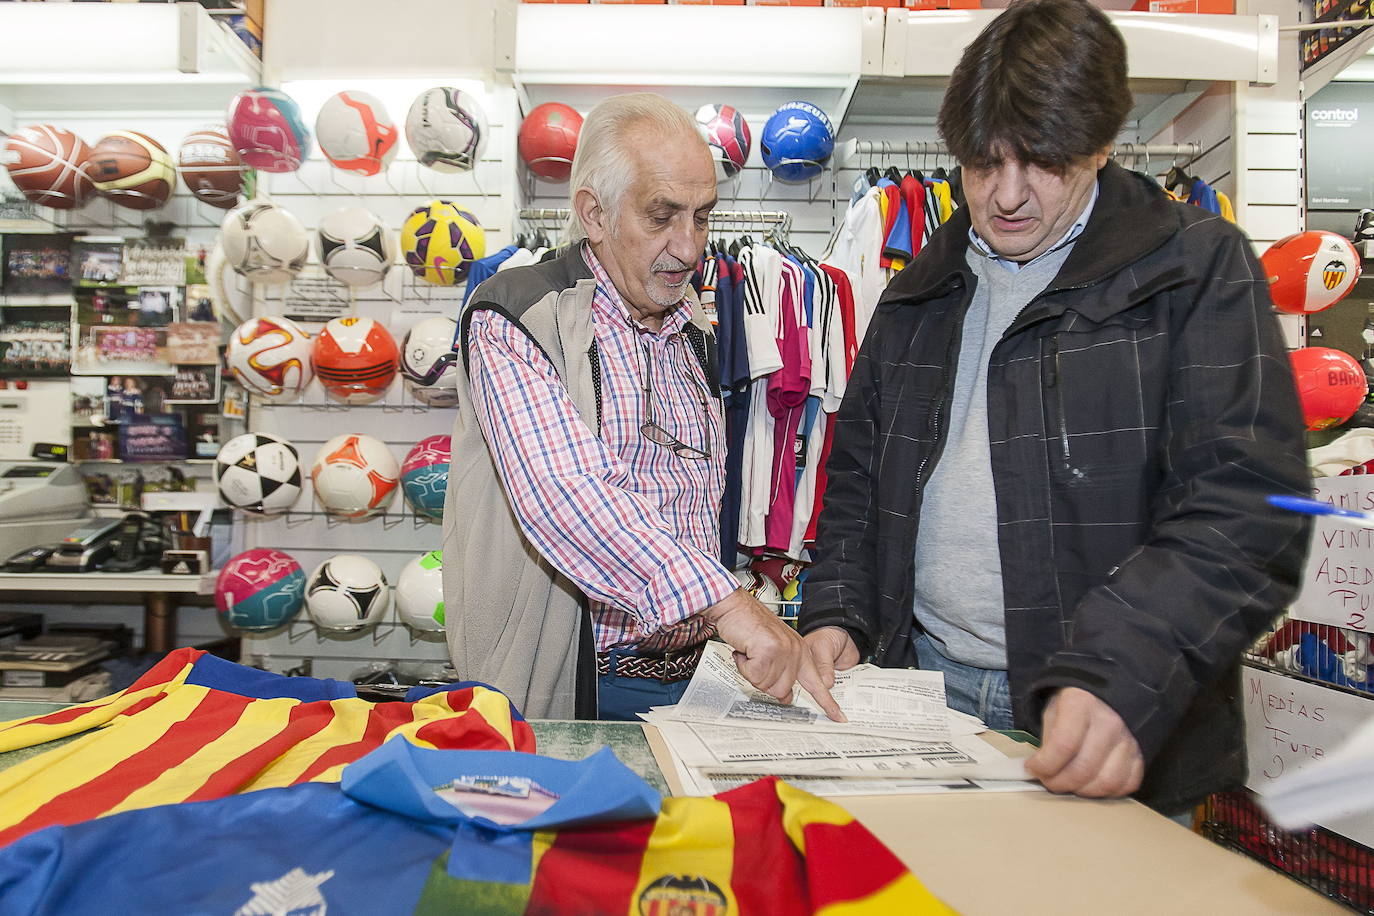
[[60, 57], [696, 54], [144, 582]]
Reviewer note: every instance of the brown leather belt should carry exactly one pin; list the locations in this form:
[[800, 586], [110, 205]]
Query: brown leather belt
[[668, 668]]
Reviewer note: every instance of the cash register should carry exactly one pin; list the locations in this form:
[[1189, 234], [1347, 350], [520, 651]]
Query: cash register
[[41, 502]]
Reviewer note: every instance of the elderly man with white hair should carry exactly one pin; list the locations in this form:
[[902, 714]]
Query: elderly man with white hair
[[581, 524]]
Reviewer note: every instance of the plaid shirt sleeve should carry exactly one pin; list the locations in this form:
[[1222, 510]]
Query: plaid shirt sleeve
[[570, 493]]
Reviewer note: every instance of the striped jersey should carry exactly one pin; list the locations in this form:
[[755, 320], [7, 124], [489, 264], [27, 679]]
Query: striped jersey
[[411, 830], [197, 727]]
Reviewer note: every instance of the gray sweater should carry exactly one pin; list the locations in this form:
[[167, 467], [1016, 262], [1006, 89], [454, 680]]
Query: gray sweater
[[958, 597]]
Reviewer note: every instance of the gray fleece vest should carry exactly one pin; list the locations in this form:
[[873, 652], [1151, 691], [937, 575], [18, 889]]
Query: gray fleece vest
[[512, 620]]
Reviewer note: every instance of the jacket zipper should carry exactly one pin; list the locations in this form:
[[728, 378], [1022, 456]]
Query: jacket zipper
[[1061, 425]]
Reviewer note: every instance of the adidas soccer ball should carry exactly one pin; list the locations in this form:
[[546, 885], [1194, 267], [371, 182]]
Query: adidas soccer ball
[[266, 128], [727, 136], [259, 589], [429, 361], [354, 476], [355, 246], [258, 473], [347, 593], [440, 242], [761, 587], [424, 476], [420, 593], [355, 133], [270, 357], [355, 359], [796, 142], [446, 129], [1310, 271], [264, 243], [1331, 385]]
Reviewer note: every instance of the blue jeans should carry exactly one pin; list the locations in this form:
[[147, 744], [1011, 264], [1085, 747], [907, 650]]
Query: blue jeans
[[619, 698], [982, 692]]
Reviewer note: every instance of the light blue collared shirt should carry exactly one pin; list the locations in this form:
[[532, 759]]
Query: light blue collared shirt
[[1074, 232]]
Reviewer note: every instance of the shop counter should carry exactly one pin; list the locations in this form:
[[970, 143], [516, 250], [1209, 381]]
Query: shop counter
[[1025, 853]]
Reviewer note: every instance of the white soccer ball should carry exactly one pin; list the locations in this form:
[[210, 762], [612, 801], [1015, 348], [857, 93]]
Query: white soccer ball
[[356, 247], [355, 132], [347, 593], [264, 243], [258, 473], [446, 129], [270, 357], [429, 361], [354, 476], [420, 593]]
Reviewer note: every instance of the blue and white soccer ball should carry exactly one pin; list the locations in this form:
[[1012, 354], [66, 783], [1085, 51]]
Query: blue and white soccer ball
[[797, 142]]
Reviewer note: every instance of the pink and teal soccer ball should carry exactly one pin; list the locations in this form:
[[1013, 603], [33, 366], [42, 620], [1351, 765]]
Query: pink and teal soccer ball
[[424, 476], [260, 589], [266, 128]]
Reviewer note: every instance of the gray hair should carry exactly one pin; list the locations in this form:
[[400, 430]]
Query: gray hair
[[602, 163]]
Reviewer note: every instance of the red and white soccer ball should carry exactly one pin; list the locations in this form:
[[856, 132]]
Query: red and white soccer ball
[[270, 357], [355, 132], [355, 359], [354, 476], [548, 140], [727, 135], [1331, 385], [1310, 271]]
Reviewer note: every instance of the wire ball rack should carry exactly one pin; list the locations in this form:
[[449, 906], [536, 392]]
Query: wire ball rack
[[779, 221]]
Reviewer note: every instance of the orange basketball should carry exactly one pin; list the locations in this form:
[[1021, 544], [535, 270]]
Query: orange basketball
[[46, 164], [132, 169], [211, 168]]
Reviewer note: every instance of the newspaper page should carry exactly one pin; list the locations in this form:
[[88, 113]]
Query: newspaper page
[[706, 782], [892, 702], [725, 749]]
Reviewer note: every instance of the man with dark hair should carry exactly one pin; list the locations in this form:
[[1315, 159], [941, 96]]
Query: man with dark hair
[[1049, 470]]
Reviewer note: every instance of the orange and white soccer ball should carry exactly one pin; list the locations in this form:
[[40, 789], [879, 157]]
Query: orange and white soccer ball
[[355, 133], [355, 359], [270, 357], [354, 476], [1310, 271]]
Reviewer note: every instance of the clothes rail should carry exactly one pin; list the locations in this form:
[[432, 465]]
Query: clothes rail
[[852, 150], [780, 219]]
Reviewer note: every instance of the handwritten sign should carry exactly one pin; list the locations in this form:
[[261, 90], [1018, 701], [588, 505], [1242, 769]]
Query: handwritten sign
[[1338, 580], [1291, 724]]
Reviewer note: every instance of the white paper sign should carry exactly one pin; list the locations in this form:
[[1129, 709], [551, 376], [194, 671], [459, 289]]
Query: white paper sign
[[1338, 580], [1291, 723]]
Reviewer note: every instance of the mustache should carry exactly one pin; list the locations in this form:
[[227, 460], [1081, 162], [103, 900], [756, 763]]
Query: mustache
[[669, 263]]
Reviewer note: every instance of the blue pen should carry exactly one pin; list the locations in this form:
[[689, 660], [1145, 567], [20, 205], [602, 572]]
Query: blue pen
[[1313, 507]]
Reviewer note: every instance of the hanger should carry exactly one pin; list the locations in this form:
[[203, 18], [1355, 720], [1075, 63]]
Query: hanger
[[893, 175], [873, 175], [1178, 178], [522, 241], [541, 239]]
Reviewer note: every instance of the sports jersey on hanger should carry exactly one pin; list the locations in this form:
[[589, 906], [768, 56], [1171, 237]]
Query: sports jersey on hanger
[[197, 727], [411, 830]]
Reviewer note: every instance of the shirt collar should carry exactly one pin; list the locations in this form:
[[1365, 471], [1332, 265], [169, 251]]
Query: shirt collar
[[1068, 238], [673, 322]]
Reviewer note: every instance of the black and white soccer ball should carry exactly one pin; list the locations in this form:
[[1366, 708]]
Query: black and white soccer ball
[[356, 247], [258, 473], [347, 593]]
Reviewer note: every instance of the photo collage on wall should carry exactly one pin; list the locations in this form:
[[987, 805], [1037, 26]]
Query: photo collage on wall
[[136, 332]]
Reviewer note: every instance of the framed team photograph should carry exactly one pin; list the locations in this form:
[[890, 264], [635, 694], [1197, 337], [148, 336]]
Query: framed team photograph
[[195, 385], [193, 343], [37, 265], [121, 350], [98, 261]]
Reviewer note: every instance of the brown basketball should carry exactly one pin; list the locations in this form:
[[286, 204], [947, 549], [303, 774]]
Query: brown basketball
[[46, 163], [211, 168], [131, 169]]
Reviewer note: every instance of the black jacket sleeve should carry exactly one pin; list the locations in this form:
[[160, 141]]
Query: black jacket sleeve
[[1218, 563], [842, 588]]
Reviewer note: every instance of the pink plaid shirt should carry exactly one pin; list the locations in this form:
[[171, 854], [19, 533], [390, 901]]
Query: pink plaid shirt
[[633, 524]]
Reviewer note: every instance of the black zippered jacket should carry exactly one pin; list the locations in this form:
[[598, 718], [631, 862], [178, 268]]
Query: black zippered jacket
[[1140, 410]]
